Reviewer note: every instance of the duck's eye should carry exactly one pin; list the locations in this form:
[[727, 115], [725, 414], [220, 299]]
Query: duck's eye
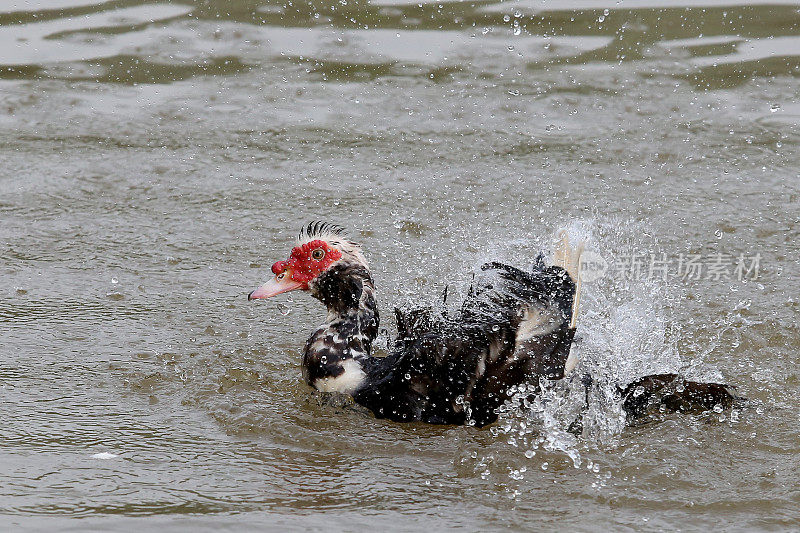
[[318, 254], [280, 276]]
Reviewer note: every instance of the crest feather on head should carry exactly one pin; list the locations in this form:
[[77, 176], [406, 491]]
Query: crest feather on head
[[320, 230]]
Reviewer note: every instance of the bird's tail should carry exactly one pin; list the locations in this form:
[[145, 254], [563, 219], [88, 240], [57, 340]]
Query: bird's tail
[[568, 257]]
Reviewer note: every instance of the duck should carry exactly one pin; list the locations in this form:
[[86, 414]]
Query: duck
[[513, 327]]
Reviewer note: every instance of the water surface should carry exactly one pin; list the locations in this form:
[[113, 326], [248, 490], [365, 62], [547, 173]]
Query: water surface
[[158, 157]]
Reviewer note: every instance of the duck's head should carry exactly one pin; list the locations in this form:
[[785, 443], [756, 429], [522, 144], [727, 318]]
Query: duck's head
[[320, 248]]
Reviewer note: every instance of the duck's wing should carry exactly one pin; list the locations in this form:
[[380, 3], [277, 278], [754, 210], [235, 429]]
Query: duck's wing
[[524, 319], [513, 327], [525, 315], [670, 392], [415, 322]]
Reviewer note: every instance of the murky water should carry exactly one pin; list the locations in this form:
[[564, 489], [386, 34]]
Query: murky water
[[158, 157]]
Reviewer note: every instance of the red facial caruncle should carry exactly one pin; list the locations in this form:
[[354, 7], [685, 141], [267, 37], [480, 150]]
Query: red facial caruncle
[[306, 262]]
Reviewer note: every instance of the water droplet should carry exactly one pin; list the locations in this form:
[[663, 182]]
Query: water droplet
[[774, 108], [495, 328], [114, 281], [506, 18], [529, 454], [544, 466]]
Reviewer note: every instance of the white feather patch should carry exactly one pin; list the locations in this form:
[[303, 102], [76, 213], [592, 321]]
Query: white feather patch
[[572, 362], [537, 322], [568, 257], [347, 382]]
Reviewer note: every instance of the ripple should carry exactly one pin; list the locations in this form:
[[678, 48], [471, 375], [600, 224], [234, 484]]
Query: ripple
[[537, 6], [48, 5], [57, 40]]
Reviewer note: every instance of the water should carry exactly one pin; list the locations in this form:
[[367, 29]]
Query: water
[[157, 158]]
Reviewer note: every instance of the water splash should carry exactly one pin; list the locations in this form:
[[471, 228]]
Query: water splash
[[625, 331]]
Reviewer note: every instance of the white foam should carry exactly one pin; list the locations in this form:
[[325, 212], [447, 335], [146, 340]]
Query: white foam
[[104, 455]]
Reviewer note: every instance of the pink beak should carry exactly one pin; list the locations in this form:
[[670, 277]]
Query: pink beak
[[274, 287]]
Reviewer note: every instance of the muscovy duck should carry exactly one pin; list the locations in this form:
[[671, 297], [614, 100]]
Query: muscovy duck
[[513, 327]]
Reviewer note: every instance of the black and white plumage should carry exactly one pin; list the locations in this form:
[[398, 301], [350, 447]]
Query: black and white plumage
[[513, 327]]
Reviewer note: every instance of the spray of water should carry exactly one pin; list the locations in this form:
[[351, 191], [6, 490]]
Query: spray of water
[[624, 332]]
